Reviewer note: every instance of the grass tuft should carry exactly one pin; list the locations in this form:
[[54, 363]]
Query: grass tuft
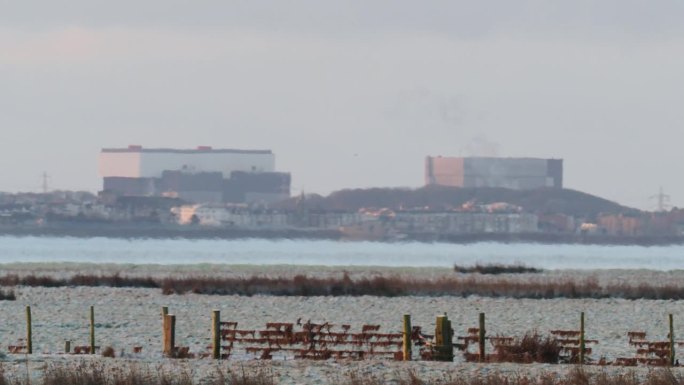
[[532, 347], [7, 295], [108, 352]]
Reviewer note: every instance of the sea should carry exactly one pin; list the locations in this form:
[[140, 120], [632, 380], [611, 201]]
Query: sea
[[31, 249]]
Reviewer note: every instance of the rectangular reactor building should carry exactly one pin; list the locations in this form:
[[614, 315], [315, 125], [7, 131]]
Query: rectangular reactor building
[[139, 162], [511, 173], [201, 175]]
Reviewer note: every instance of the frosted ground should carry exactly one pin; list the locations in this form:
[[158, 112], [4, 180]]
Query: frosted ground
[[128, 317]]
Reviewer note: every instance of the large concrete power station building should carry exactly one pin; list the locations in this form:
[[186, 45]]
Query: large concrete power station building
[[201, 175], [512, 173]]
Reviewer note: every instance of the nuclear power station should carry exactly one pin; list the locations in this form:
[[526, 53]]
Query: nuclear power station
[[201, 175], [511, 173]]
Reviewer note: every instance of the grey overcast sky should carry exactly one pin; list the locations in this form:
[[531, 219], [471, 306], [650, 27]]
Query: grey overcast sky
[[348, 93]]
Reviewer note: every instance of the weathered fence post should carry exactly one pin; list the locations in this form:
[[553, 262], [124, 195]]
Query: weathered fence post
[[67, 347], [481, 338], [439, 337], [29, 334], [172, 333], [672, 342], [407, 338], [92, 330], [169, 334], [581, 339], [216, 334], [443, 339], [164, 312], [449, 345]]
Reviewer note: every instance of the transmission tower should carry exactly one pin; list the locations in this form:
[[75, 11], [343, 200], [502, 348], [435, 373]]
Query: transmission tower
[[662, 200]]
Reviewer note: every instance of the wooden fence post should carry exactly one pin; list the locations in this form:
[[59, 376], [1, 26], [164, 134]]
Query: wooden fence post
[[581, 341], [443, 339], [216, 334], [29, 334], [164, 312], [481, 338], [169, 334], [172, 332], [92, 330], [439, 337], [672, 342], [449, 342], [407, 338]]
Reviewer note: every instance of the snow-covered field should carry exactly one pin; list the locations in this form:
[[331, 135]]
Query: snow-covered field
[[128, 317]]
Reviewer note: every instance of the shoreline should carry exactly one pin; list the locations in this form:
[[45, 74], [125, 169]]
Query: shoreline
[[179, 232]]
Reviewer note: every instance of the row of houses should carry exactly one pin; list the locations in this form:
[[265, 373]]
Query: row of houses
[[496, 218], [371, 223]]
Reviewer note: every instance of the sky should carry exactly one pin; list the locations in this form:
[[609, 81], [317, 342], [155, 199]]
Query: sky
[[349, 93]]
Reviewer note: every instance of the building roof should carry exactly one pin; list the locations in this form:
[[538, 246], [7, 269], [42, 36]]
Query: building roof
[[198, 150], [491, 158]]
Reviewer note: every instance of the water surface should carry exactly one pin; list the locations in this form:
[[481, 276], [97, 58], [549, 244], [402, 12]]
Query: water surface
[[325, 252]]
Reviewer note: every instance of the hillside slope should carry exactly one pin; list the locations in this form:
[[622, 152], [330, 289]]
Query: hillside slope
[[436, 198]]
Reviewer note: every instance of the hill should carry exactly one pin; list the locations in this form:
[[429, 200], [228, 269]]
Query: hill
[[439, 198]]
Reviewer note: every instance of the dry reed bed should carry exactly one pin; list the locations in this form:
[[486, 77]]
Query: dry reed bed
[[495, 269], [575, 377], [379, 285], [97, 373], [531, 347]]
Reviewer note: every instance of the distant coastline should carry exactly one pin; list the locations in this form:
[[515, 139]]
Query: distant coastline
[[163, 232], [153, 231]]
